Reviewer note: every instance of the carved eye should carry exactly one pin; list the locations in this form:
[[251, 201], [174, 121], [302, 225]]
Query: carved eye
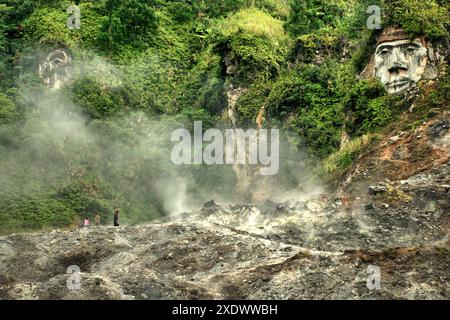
[[411, 50], [384, 52]]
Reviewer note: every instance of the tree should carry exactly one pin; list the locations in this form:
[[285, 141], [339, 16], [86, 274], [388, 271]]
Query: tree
[[309, 15], [128, 20]]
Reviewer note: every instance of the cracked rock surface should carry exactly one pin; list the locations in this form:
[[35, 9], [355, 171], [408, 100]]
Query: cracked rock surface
[[320, 248]]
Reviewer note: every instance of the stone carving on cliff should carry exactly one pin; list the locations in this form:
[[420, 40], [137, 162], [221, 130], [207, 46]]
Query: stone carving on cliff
[[400, 62], [55, 69]]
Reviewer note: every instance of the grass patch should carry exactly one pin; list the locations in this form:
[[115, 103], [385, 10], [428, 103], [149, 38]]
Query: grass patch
[[342, 159]]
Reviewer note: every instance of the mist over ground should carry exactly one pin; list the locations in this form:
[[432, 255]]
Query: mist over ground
[[59, 153]]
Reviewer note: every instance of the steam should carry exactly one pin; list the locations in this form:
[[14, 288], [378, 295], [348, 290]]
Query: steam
[[57, 145]]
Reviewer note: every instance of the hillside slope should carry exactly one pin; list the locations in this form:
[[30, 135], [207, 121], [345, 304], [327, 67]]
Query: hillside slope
[[319, 248]]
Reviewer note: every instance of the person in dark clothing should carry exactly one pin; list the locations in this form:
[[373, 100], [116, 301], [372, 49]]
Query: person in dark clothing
[[116, 217]]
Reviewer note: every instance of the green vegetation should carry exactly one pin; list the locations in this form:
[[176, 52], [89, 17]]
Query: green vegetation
[[8, 110], [342, 159], [174, 62], [428, 18], [368, 108], [311, 15]]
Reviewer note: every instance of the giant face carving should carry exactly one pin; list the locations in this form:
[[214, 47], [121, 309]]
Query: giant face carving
[[55, 69], [400, 63]]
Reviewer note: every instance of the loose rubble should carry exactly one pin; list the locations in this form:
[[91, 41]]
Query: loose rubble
[[316, 249], [320, 248]]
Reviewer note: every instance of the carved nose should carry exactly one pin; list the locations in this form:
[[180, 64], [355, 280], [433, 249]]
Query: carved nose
[[397, 62]]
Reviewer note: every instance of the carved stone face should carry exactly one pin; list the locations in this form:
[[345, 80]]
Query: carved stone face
[[55, 69], [399, 64]]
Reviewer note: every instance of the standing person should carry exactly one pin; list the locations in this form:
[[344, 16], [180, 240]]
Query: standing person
[[97, 219], [116, 217], [86, 222]]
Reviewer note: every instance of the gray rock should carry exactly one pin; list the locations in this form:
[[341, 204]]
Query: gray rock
[[374, 190]]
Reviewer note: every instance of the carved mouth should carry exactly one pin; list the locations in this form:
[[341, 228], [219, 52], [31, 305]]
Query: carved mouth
[[398, 85], [397, 82]]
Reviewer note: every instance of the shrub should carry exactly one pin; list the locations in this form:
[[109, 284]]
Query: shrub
[[204, 86], [307, 104], [367, 107], [325, 42], [344, 157], [255, 41], [250, 102], [99, 101], [310, 15], [48, 26], [255, 22], [8, 110], [418, 17]]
